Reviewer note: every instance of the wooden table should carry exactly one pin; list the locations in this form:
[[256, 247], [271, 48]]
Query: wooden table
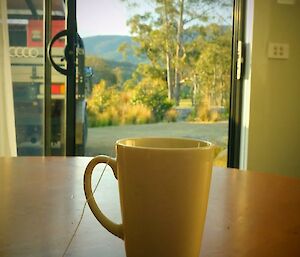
[[41, 199]]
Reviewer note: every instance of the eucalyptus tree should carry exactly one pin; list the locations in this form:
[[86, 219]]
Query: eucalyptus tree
[[167, 32]]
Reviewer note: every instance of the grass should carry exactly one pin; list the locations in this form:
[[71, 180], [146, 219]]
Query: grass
[[185, 103], [101, 140]]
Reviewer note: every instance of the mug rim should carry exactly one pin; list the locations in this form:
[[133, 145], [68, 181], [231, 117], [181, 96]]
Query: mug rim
[[208, 145]]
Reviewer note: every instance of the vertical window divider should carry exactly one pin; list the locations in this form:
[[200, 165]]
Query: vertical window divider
[[236, 90], [47, 20]]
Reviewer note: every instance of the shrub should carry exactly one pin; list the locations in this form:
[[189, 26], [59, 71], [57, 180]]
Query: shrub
[[202, 111], [213, 116], [101, 98], [113, 116], [153, 94], [192, 116], [137, 114], [92, 121], [143, 115], [171, 115], [108, 106], [102, 119]]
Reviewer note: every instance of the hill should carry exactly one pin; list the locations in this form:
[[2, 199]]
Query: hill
[[110, 71], [106, 47]]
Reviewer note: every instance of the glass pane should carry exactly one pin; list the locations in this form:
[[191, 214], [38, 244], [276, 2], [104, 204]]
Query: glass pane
[[27, 60], [26, 37], [58, 82], [160, 68]]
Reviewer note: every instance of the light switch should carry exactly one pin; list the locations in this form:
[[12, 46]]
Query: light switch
[[278, 51]]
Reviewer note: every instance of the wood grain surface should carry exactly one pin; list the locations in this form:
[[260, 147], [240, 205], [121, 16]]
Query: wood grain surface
[[41, 200]]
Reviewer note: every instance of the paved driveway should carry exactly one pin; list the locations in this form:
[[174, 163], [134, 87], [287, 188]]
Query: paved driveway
[[101, 139]]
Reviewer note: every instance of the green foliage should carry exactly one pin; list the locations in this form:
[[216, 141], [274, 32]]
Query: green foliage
[[215, 65], [136, 114], [172, 37], [107, 106], [208, 74], [153, 94], [102, 70], [189, 54], [110, 71]]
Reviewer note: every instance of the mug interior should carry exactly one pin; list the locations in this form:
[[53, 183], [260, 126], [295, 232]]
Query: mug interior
[[164, 143]]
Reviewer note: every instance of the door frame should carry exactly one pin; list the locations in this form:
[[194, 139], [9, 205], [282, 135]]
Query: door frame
[[236, 88], [47, 77], [70, 98], [70, 52]]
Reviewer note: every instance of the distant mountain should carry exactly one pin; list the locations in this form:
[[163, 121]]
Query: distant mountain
[[106, 47]]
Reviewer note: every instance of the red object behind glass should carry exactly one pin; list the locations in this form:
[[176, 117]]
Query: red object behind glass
[[35, 33]]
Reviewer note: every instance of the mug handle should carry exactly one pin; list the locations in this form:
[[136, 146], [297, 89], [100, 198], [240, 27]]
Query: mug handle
[[116, 229]]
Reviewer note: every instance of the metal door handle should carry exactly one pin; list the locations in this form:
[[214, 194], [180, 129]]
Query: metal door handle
[[59, 35], [67, 52]]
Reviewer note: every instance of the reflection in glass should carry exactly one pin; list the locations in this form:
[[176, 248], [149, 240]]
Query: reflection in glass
[[26, 54]]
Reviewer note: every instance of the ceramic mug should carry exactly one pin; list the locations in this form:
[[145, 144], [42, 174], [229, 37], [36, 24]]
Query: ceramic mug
[[164, 186]]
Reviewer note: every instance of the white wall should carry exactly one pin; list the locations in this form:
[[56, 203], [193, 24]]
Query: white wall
[[274, 127]]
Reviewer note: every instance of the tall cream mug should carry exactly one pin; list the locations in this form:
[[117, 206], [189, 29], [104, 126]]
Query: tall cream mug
[[164, 186]]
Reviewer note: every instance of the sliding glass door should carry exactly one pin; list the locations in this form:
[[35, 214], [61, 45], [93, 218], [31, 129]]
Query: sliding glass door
[[162, 68], [25, 25], [157, 68], [47, 59]]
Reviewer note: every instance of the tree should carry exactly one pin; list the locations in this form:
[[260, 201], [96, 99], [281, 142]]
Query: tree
[[102, 71], [212, 80], [109, 106], [164, 34], [153, 94]]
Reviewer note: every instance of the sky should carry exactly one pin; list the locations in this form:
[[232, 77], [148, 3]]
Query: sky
[[102, 17], [106, 17]]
